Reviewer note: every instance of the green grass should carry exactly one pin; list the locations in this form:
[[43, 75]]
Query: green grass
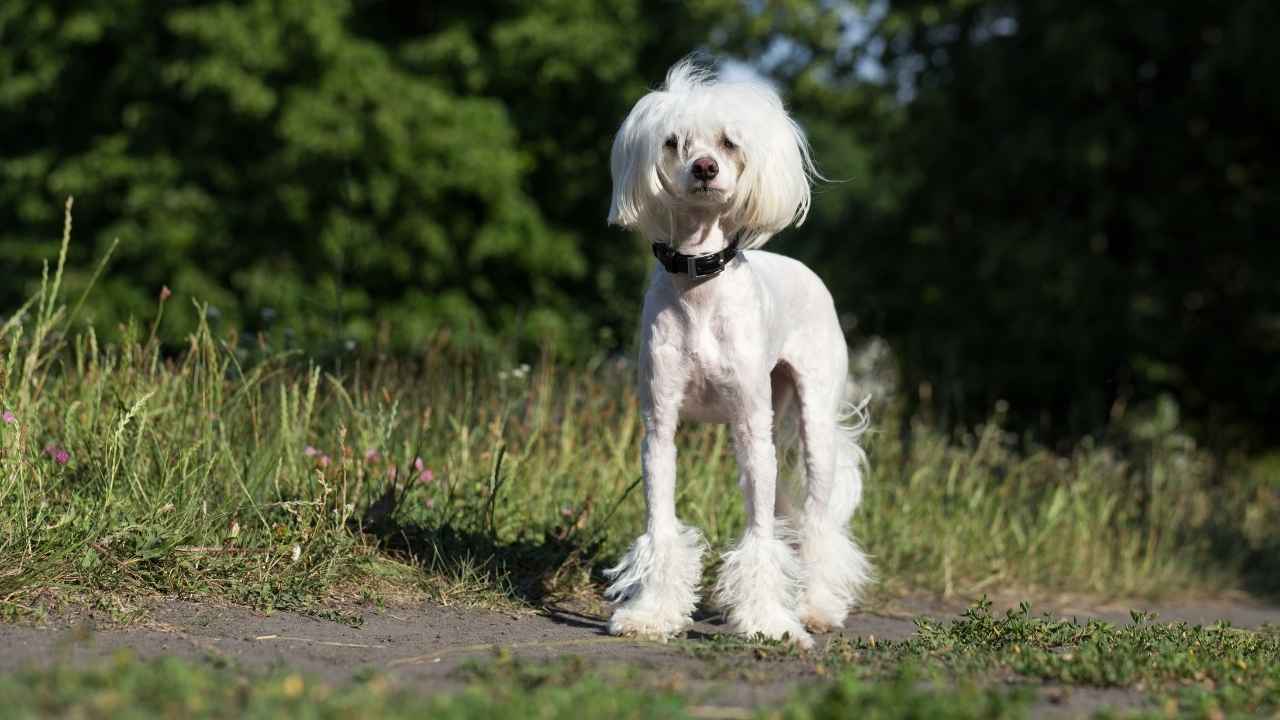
[[235, 470], [978, 665], [1175, 669], [128, 688], [1194, 669], [903, 695]]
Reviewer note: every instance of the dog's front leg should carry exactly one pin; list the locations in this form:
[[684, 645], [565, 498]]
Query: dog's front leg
[[760, 579], [657, 580]]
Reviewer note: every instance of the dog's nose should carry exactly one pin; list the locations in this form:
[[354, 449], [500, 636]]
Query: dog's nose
[[705, 168]]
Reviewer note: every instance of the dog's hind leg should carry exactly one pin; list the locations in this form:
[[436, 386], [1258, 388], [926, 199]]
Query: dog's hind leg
[[759, 581], [835, 568]]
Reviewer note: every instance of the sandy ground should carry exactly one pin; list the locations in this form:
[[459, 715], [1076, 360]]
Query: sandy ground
[[424, 646]]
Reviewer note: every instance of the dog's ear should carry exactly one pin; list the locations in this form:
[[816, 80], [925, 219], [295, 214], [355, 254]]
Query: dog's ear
[[633, 163], [774, 188]]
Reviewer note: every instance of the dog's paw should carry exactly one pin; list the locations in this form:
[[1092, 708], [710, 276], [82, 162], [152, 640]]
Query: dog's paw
[[817, 624], [647, 624], [780, 627], [836, 570], [822, 612]]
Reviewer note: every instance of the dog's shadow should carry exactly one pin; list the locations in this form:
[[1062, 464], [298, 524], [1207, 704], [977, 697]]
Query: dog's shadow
[[569, 616], [535, 571], [573, 618], [545, 572]]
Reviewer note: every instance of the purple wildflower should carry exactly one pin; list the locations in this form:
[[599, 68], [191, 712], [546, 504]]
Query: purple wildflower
[[325, 460], [59, 455], [372, 455], [8, 417], [417, 464], [310, 451], [426, 476]]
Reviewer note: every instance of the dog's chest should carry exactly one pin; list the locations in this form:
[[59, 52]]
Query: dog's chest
[[713, 377], [704, 343]]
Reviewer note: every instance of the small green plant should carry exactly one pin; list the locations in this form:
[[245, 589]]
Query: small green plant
[[1193, 668]]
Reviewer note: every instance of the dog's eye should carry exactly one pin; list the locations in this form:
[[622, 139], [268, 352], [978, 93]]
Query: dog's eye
[[728, 144], [671, 142]]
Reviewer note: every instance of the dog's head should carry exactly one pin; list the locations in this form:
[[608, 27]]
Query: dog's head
[[705, 146]]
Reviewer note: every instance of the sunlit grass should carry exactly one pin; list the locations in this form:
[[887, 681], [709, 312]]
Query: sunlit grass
[[1192, 670], [232, 470]]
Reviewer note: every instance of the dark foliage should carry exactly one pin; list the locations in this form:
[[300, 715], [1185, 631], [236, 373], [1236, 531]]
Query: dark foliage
[[1065, 207], [1068, 207]]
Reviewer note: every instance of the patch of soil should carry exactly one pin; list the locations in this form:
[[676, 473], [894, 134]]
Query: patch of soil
[[424, 646]]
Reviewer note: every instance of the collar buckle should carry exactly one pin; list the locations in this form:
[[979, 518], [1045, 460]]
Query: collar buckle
[[714, 271]]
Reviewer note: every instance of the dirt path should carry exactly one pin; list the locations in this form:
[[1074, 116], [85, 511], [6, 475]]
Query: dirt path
[[424, 646]]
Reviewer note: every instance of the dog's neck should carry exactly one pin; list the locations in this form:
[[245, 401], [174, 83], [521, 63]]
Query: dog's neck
[[695, 234]]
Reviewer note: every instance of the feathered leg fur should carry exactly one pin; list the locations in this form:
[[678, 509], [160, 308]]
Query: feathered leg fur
[[760, 579], [835, 568], [657, 583]]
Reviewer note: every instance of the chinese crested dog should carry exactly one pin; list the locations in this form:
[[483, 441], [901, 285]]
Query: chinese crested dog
[[707, 171]]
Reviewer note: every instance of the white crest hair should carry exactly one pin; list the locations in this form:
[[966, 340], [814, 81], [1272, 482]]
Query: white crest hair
[[774, 186]]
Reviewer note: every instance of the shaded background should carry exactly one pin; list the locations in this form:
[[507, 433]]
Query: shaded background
[[1065, 211]]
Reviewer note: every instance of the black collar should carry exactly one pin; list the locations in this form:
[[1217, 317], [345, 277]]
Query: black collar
[[696, 266]]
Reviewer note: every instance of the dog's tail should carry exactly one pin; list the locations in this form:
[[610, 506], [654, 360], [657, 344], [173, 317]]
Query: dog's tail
[[851, 459]]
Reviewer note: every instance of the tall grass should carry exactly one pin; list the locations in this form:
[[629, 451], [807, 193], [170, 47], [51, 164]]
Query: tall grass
[[232, 470]]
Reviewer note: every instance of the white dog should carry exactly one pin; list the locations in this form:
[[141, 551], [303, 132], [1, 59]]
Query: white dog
[[707, 171]]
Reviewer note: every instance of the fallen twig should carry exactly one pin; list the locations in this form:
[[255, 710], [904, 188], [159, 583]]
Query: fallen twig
[[330, 643]]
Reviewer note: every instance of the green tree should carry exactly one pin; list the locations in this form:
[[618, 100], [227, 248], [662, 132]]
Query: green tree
[[1064, 206], [354, 169]]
